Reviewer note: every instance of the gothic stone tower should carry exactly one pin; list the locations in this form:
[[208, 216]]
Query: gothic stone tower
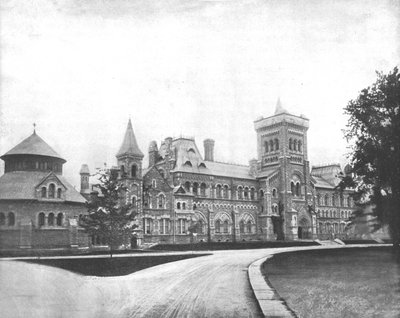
[[284, 175], [129, 160]]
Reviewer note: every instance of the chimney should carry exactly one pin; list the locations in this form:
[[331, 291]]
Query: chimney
[[253, 167], [209, 149], [85, 173]]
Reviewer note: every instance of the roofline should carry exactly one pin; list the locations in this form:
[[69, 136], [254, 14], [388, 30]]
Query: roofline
[[29, 154]]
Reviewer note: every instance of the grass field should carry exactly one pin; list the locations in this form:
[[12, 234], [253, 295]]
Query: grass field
[[357, 282], [116, 266]]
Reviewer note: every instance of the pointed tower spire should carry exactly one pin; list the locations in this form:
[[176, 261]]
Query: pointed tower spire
[[129, 145], [279, 108]]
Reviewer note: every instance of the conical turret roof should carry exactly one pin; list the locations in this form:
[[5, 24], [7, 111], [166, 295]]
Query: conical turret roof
[[129, 145], [33, 145]]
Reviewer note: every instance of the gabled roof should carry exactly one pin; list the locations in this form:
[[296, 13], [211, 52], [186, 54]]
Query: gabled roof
[[33, 145], [189, 159], [129, 145], [21, 185]]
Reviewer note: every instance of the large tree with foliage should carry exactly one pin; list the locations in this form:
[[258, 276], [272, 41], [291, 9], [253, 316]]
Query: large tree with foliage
[[110, 217], [374, 130]]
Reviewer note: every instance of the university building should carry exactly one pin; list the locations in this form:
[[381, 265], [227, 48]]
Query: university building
[[182, 195]]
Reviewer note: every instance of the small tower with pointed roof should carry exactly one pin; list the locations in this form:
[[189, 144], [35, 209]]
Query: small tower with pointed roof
[[130, 156]]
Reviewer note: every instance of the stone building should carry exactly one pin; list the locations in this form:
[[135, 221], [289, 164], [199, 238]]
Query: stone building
[[184, 196], [38, 207]]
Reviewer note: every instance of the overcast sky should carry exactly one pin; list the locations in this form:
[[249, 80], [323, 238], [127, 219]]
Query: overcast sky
[[79, 69]]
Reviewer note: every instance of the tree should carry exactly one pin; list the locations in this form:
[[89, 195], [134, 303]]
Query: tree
[[110, 216], [374, 130]]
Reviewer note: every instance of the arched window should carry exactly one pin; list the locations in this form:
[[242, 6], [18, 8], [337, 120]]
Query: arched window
[[133, 171], [252, 194], [183, 206], [241, 226], [341, 227], [218, 191], [2, 218], [295, 145], [50, 219], [271, 145], [246, 193], [52, 190], [292, 188], [261, 193], [133, 201], [187, 186], [298, 189], [203, 189], [320, 228], [249, 226], [41, 219], [59, 193], [265, 146], [276, 144], [290, 143], [60, 219], [161, 201], [11, 219], [299, 146], [326, 199], [226, 226], [240, 193], [218, 226], [195, 188], [44, 192], [178, 205], [194, 206], [122, 170], [341, 200], [333, 200]]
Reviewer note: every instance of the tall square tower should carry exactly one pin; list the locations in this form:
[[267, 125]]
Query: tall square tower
[[284, 175]]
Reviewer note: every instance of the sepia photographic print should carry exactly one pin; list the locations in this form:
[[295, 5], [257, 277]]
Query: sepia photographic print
[[199, 158]]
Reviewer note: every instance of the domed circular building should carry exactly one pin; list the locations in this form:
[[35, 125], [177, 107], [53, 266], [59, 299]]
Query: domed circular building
[[39, 209]]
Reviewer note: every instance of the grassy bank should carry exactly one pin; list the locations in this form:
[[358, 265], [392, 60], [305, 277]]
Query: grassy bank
[[359, 282]]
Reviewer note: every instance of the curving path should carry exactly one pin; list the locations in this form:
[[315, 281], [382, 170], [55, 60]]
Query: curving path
[[209, 286]]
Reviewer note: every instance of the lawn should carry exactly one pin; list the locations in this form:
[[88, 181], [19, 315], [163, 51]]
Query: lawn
[[106, 266], [357, 282]]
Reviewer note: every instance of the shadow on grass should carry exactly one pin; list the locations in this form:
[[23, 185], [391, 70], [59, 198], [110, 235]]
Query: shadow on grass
[[116, 266]]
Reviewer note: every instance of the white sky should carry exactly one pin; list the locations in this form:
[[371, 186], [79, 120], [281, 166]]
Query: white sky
[[79, 69]]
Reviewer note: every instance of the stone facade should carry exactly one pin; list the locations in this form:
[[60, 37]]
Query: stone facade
[[181, 197]]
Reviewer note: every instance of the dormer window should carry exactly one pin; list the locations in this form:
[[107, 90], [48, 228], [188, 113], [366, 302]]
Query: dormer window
[[188, 163], [52, 191]]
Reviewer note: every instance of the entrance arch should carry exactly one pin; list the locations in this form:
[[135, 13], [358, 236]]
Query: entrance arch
[[304, 229]]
